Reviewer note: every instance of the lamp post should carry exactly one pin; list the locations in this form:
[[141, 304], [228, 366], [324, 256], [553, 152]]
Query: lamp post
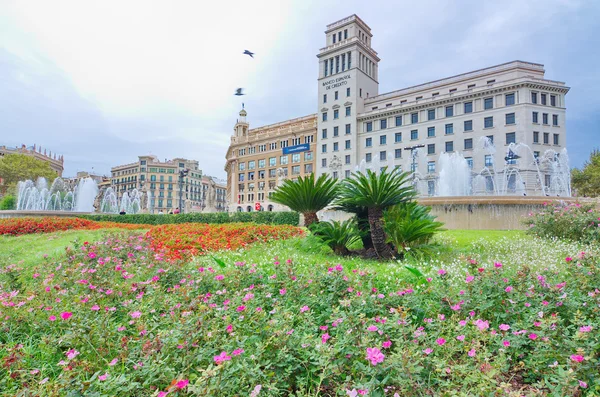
[[182, 174], [413, 155]]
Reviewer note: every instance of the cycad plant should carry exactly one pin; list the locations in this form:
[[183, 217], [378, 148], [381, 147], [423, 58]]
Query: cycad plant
[[410, 226], [339, 236], [376, 192], [307, 195]]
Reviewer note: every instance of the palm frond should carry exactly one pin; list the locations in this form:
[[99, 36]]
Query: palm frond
[[306, 194]]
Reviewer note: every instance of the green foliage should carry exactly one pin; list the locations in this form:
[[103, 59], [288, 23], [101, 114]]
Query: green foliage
[[410, 226], [20, 167], [8, 202], [572, 222], [587, 180], [259, 217], [339, 236], [306, 195]]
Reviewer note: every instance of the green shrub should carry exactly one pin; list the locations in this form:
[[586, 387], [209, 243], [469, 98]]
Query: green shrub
[[8, 202], [266, 218], [339, 236], [574, 221]]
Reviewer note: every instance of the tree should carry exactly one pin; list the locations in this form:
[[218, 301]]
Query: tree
[[587, 180], [377, 192], [306, 195], [20, 167]]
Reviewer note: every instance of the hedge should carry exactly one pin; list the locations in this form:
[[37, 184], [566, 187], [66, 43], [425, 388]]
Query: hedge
[[262, 217]]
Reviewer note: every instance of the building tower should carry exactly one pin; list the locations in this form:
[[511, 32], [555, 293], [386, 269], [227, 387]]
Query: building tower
[[347, 76]]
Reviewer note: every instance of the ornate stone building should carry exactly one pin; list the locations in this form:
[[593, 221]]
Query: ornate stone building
[[55, 162]]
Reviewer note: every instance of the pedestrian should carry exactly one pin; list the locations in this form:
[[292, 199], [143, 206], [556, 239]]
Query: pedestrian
[[176, 210], [160, 212]]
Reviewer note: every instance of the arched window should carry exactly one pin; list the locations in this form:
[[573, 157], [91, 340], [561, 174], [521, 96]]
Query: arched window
[[239, 209], [270, 207], [249, 208]]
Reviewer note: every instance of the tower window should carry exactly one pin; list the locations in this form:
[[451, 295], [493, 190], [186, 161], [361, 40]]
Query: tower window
[[345, 33]]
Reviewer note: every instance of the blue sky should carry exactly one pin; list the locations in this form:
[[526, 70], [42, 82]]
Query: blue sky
[[104, 82]]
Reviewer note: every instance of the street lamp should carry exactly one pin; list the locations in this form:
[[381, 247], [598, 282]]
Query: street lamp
[[182, 174], [413, 155]]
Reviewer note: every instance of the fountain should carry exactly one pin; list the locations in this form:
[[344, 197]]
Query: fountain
[[455, 175]]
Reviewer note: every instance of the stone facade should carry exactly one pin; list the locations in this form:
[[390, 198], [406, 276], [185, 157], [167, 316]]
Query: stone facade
[[55, 162]]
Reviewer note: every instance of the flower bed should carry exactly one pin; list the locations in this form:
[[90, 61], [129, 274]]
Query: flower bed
[[573, 221], [180, 241], [114, 318], [20, 226]]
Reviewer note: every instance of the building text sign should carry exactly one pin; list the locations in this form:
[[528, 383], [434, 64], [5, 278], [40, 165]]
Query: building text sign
[[295, 149], [336, 82]]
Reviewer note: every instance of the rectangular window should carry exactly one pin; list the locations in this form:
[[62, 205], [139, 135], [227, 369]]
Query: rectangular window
[[241, 177], [509, 99], [430, 132], [469, 162], [488, 122], [490, 139], [468, 143], [347, 173], [335, 146], [348, 89], [347, 159], [431, 167], [555, 119], [449, 129], [382, 156], [383, 124], [261, 163], [345, 33], [324, 116], [534, 97], [324, 148], [488, 103], [241, 167], [323, 162], [468, 125], [431, 148], [368, 157], [398, 153], [552, 100], [296, 170], [431, 114], [534, 117], [296, 158], [382, 139], [336, 131], [414, 134], [543, 96], [326, 67], [510, 118], [398, 121], [368, 142], [430, 188], [511, 138], [348, 110], [336, 114], [546, 138], [324, 133], [308, 156], [555, 139], [488, 160], [536, 155], [398, 137], [468, 107], [336, 95], [536, 137], [545, 118], [369, 126], [348, 131], [449, 111], [348, 144], [414, 118], [450, 146], [324, 98]]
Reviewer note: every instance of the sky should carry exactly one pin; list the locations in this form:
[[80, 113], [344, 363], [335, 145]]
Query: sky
[[102, 82]]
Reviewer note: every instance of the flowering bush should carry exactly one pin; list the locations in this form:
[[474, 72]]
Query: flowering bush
[[180, 241], [572, 221], [19, 226], [114, 318]]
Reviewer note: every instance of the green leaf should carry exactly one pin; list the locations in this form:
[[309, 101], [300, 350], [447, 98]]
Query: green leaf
[[219, 262], [417, 273]]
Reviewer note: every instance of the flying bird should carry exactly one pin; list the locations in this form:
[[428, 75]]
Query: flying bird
[[238, 92], [246, 52]]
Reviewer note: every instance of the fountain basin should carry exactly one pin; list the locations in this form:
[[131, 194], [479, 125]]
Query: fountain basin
[[35, 214]]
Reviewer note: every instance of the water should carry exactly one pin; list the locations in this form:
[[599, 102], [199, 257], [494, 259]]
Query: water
[[62, 196], [455, 175]]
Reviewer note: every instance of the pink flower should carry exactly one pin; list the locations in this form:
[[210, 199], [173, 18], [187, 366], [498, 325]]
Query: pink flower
[[387, 344], [568, 259], [460, 337], [506, 343], [237, 352], [182, 383], [442, 272], [95, 308], [91, 255], [472, 353], [577, 357], [428, 351], [533, 336], [582, 384], [497, 264], [372, 328], [508, 289], [72, 353], [469, 279], [229, 328], [482, 325], [323, 327], [219, 277], [162, 394], [241, 308], [504, 327], [221, 358], [325, 337], [52, 318], [66, 315], [113, 362], [374, 355], [440, 341], [103, 377], [585, 328], [304, 309], [282, 291], [136, 314]]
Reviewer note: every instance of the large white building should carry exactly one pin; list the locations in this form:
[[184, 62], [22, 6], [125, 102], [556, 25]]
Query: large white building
[[498, 130]]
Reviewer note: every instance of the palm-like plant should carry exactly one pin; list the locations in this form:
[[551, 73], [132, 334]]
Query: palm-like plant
[[339, 236], [376, 192], [306, 195]]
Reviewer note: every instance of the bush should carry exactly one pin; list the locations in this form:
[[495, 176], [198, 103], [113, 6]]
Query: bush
[[8, 202], [574, 221], [339, 236], [262, 217], [29, 225]]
